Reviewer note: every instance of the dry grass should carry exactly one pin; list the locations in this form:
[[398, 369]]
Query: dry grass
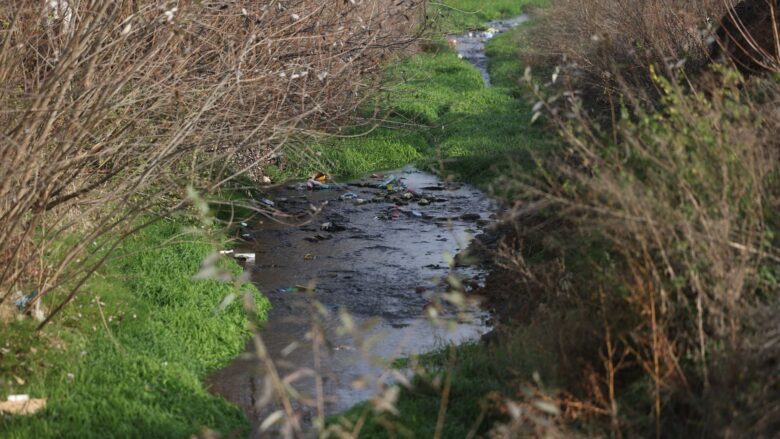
[[660, 250], [111, 108], [654, 240], [601, 43]]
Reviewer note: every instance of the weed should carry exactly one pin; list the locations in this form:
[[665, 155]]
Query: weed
[[127, 359]]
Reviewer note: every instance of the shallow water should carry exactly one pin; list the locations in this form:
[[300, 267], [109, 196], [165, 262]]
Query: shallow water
[[382, 270], [471, 45]]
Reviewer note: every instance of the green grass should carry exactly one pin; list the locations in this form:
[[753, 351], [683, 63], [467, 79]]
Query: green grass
[[477, 372], [439, 114], [451, 122], [458, 15], [143, 379]]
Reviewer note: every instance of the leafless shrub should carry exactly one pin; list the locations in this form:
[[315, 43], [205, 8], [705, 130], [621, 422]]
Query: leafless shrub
[[660, 229], [600, 43], [112, 108]]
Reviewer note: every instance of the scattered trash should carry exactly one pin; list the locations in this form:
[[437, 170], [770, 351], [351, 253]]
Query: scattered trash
[[21, 405], [318, 237], [423, 202], [320, 177], [248, 257], [407, 195], [23, 304], [24, 301], [308, 257], [268, 202], [225, 252], [332, 227], [293, 289], [395, 212], [378, 176], [245, 232], [265, 179], [388, 182], [348, 196], [316, 185], [359, 201]]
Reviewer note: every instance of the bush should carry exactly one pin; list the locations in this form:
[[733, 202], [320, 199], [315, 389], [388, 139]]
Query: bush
[[662, 231], [602, 44], [112, 108]]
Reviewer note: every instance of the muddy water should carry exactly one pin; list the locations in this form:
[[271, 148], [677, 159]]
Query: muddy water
[[381, 260], [471, 45]]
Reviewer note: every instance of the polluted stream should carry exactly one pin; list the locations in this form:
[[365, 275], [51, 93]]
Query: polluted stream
[[380, 248]]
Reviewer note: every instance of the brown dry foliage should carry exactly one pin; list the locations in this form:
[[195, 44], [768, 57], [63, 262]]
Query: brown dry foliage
[[111, 108], [602, 43], [747, 35], [654, 243]]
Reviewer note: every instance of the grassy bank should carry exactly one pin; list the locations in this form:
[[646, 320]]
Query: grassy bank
[[439, 114], [451, 16], [126, 359]]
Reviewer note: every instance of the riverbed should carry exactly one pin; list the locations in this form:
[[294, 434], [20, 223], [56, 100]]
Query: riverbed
[[379, 249], [380, 254]]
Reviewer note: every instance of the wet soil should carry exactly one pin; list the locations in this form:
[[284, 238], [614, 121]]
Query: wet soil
[[380, 254]]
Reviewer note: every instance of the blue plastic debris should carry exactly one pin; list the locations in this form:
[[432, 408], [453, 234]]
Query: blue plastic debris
[[317, 185], [24, 301]]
